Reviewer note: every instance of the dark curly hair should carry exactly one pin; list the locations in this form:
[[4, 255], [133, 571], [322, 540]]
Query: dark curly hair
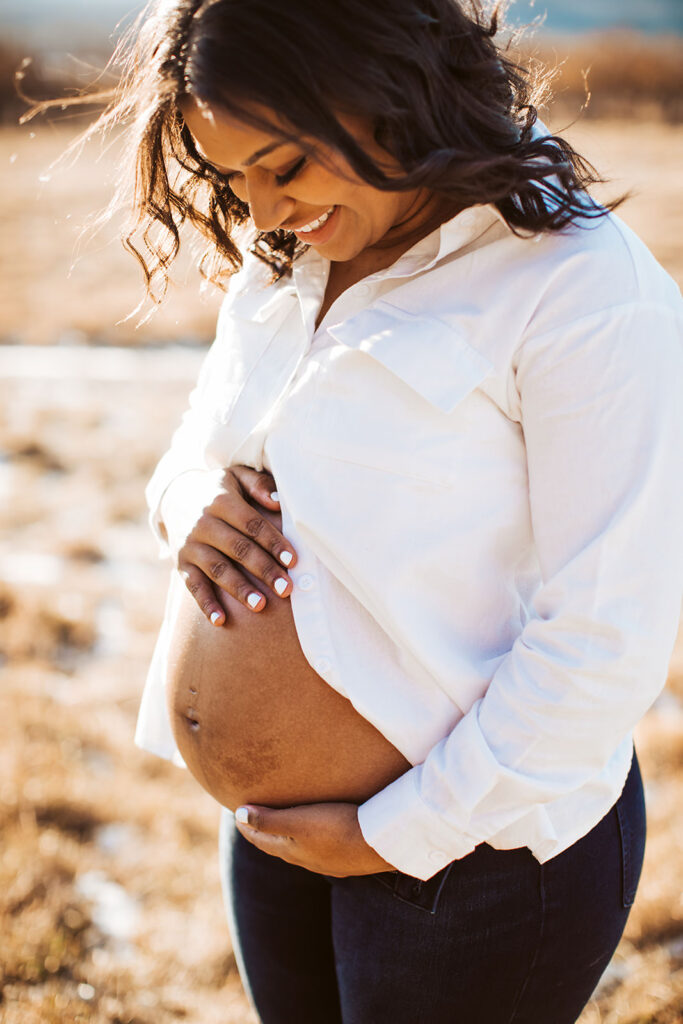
[[449, 104]]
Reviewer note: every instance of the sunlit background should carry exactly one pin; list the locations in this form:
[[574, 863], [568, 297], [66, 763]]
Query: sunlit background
[[109, 893]]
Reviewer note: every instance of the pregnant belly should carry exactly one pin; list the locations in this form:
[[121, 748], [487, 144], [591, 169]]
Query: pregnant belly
[[255, 723]]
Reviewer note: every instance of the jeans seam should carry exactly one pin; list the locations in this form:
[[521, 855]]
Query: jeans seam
[[627, 897], [539, 946], [627, 866]]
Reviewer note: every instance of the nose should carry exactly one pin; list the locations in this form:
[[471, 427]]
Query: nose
[[269, 206]]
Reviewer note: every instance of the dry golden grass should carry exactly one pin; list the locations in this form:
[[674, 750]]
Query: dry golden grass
[[110, 906], [627, 74], [63, 282]]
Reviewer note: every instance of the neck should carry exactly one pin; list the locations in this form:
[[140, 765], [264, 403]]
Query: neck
[[425, 216]]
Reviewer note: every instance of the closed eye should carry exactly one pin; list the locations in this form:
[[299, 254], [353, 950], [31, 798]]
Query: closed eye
[[281, 179]]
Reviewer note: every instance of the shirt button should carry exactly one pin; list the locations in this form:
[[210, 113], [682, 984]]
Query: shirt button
[[306, 581], [436, 855], [323, 665], [363, 289]]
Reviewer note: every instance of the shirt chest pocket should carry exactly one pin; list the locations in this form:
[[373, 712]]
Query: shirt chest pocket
[[397, 392]]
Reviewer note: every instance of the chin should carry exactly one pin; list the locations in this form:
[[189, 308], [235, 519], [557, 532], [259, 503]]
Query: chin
[[340, 252]]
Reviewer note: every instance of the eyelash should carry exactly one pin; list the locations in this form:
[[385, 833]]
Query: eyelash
[[281, 179]]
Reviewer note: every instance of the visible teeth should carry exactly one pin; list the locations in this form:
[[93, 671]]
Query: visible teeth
[[315, 224]]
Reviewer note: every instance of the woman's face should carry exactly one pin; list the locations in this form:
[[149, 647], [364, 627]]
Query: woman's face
[[285, 189]]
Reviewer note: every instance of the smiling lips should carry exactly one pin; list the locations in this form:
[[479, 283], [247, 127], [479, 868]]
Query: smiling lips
[[314, 225]]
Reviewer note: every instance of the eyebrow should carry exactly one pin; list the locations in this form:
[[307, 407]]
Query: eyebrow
[[262, 152], [247, 163]]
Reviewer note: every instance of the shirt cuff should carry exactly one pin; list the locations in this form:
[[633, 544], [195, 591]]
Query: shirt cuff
[[424, 819], [408, 833]]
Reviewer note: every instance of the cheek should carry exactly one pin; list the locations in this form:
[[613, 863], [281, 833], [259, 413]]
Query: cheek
[[373, 206], [374, 215]]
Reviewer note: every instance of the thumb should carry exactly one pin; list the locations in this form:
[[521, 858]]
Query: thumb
[[274, 822]]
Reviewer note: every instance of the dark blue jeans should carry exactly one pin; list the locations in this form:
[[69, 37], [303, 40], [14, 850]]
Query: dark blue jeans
[[493, 938]]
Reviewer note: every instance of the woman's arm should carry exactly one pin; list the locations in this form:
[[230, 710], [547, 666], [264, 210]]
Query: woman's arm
[[603, 426]]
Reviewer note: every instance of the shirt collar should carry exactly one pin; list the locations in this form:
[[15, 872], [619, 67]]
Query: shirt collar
[[454, 234], [451, 236]]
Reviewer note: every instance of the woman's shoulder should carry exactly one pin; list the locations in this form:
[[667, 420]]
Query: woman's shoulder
[[593, 267], [593, 270], [253, 277], [507, 288], [507, 293], [252, 292]]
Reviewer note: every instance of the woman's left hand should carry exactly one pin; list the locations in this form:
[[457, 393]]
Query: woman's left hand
[[325, 838]]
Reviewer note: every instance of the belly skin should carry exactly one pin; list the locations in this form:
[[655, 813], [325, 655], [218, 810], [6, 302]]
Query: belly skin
[[256, 724]]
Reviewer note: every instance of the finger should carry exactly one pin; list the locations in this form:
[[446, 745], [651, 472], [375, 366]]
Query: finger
[[285, 823], [236, 511], [203, 593], [214, 567], [260, 485], [243, 550]]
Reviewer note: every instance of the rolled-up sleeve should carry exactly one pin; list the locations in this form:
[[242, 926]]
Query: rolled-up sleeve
[[602, 416]]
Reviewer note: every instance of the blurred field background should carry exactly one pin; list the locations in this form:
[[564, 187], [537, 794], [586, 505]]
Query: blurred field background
[[110, 904]]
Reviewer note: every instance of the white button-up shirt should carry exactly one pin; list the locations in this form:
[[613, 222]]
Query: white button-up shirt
[[479, 456]]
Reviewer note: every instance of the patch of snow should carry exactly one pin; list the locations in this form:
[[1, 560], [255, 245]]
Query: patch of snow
[[114, 911]]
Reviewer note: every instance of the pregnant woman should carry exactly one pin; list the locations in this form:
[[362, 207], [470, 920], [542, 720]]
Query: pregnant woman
[[424, 509]]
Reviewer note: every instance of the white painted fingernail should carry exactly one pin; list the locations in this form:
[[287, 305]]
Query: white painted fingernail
[[286, 557], [215, 618], [253, 600], [275, 496], [242, 815], [280, 586]]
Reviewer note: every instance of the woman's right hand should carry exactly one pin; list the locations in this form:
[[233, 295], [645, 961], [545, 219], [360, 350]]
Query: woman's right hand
[[215, 532]]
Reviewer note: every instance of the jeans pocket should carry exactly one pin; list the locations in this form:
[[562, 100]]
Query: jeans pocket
[[419, 894], [386, 878], [630, 808]]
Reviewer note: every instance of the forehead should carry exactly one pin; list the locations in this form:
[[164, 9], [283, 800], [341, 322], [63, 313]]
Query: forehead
[[222, 137]]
